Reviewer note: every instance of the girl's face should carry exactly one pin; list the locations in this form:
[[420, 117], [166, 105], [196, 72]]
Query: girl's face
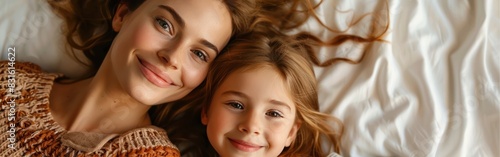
[[251, 114], [163, 48]]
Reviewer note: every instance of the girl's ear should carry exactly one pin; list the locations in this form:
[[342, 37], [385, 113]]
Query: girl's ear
[[293, 133], [120, 15], [204, 119]]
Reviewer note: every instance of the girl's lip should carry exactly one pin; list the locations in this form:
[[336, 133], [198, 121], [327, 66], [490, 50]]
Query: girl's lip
[[244, 146], [154, 74]]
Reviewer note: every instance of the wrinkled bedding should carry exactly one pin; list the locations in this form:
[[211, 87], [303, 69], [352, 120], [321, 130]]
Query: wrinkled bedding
[[432, 90]]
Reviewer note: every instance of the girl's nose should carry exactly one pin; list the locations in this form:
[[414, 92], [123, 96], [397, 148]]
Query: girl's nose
[[250, 124]]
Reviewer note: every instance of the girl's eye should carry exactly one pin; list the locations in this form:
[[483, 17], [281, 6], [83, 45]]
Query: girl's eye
[[201, 55], [236, 105], [275, 114], [164, 24]]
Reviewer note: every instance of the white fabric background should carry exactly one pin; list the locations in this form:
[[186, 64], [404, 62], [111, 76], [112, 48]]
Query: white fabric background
[[35, 31], [432, 90]]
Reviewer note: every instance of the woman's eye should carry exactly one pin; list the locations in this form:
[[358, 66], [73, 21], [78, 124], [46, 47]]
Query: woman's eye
[[274, 114], [201, 55], [165, 25], [235, 105]]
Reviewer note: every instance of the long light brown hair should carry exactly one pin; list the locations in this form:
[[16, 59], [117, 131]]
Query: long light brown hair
[[285, 16]]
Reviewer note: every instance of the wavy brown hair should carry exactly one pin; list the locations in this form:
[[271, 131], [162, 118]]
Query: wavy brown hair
[[284, 16], [88, 23]]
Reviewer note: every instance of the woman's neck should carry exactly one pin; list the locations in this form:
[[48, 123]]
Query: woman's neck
[[96, 105]]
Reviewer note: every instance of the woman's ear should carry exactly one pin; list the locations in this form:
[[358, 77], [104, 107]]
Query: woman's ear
[[119, 18], [293, 133], [204, 119]]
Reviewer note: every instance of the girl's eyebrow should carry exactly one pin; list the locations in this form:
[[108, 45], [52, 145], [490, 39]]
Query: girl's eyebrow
[[232, 92], [243, 95], [176, 16], [279, 103]]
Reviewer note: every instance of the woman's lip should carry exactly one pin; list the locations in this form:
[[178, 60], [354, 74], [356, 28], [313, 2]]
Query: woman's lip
[[244, 146], [154, 75]]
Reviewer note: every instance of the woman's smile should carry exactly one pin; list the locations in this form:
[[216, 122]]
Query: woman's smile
[[154, 74]]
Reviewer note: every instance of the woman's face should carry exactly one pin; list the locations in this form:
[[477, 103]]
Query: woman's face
[[164, 48]]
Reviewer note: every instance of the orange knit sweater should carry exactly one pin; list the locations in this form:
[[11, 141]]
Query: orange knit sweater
[[28, 129]]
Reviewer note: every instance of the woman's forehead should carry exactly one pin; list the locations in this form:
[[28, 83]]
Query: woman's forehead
[[208, 20]]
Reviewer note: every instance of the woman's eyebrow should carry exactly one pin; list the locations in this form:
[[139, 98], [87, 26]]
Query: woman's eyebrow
[[210, 45], [176, 16], [180, 21]]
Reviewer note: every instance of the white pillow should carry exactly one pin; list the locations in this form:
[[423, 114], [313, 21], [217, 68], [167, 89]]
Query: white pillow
[[34, 31]]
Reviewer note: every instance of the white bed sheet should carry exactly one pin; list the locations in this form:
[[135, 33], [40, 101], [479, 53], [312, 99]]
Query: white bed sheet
[[432, 90], [32, 28]]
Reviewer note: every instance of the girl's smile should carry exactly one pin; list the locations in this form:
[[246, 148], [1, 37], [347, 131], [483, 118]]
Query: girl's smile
[[244, 146]]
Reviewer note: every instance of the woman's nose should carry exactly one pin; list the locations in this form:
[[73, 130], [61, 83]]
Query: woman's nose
[[172, 55], [169, 60]]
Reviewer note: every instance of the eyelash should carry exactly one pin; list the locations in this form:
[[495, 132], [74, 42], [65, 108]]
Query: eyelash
[[203, 56], [164, 23], [239, 106], [274, 114], [234, 104]]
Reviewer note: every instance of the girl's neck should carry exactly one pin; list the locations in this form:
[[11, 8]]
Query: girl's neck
[[96, 105]]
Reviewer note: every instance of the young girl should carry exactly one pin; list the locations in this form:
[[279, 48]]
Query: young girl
[[157, 52], [260, 100]]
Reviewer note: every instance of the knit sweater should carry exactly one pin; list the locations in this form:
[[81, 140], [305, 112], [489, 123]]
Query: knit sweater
[[27, 127]]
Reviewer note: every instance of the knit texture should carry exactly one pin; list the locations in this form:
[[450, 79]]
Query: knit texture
[[28, 129]]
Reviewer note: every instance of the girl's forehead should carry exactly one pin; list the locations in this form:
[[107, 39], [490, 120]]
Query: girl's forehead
[[263, 83]]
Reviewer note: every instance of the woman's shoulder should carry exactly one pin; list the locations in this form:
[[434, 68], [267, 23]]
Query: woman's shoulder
[[22, 69], [19, 67], [146, 141], [150, 140], [148, 135], [24, 75]]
